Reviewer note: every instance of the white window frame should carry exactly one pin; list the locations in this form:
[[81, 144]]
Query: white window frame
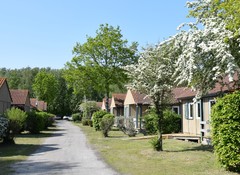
[[199, 104], [210, 106], [178, 109], [189, 110]]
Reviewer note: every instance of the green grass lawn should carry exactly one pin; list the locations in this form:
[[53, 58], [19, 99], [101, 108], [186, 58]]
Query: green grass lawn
[[136, 157], [25, 144]]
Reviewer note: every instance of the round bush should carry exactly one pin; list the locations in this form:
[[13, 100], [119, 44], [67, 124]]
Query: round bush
[[17, 119], [48, 119], [76, 117], [35, 123], [106, 124], [96, 118], [225, 122], [171, 122], [150, 123]]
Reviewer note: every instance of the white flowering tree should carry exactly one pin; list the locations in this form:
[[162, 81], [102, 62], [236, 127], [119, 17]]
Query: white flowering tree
[[206, 55], [152, 75]]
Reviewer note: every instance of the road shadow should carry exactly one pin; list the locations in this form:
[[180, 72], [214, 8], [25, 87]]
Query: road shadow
[[46, 167], [20, 149], [40, 135]]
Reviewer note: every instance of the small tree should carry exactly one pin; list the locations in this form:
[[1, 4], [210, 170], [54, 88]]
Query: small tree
[[97, 118], [126, 125], [88, 108], [225, 124], [153, 76], [106, 124]]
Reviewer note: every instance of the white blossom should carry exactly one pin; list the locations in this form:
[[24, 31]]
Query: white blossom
[[205, 56]]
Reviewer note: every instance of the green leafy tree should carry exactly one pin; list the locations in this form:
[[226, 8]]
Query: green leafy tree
[[97, 63], [45, 87], [61, 104]]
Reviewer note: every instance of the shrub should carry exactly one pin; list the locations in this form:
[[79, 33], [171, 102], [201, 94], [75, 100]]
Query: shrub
[[90, 123], [17, 119], [97, 117], [225, 122], [48, 119], [3, 127], [150, 123], [155, 143], [88, 108], [127, 126], [106, 124], [76, 117], [34, 123], [171, 122], [85, 122]]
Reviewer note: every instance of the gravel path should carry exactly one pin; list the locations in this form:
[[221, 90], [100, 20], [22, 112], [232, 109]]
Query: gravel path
[[66, 152]]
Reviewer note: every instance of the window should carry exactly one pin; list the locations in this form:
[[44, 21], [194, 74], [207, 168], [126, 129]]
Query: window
[[199, 109], [189, 110], [176, 109], [211, 103]]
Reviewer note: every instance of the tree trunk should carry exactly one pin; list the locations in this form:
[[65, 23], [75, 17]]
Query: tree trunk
[[159, 111], [107, 98]]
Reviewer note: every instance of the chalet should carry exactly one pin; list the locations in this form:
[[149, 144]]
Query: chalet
[[20, 99], [135, 106], [5, 96], [38, 104], [104, 103], [196, 117], [117, 104]]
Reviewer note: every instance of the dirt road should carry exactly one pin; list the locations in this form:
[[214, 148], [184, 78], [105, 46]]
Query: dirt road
[[65, 153]]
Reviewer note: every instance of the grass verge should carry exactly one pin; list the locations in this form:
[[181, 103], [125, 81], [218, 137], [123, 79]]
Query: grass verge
[[136, 157], [25, 144]]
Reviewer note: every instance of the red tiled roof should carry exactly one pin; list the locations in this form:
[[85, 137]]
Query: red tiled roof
[[40, 105], [19, 96], [2, 80], [119, 99], [185, 92], [140, 98], [33, 102]]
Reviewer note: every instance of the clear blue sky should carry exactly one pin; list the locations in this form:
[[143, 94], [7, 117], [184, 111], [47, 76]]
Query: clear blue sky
[[42, 33]]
